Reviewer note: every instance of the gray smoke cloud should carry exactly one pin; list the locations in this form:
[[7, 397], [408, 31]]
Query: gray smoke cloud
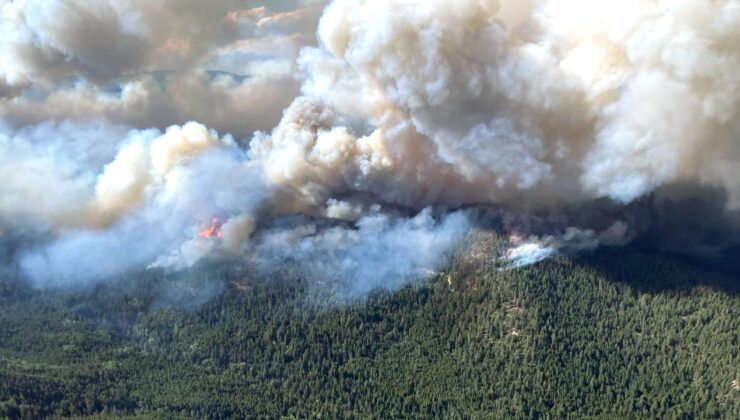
[[226, 63], [382, 253], [576, 123]]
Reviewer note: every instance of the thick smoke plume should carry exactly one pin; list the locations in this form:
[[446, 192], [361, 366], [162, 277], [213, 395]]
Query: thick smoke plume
[[577, 123], [155, 63]]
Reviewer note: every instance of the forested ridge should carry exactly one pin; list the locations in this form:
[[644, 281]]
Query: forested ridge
[[621, 333]]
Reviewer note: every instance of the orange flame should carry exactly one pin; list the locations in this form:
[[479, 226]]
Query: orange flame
[[213, 230]]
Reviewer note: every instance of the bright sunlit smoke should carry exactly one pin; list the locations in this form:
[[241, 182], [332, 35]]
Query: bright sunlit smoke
[[585, 120]]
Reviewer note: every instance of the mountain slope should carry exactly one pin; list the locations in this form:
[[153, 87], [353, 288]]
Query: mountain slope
[[619, 333]]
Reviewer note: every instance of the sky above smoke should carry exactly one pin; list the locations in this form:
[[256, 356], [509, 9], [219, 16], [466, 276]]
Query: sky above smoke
[[126, 127]]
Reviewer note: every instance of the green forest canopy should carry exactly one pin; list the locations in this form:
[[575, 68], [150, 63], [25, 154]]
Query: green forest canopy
[[620, 333]]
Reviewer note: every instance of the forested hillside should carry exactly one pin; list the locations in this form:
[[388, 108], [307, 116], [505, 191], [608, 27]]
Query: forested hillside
[[618, 334]]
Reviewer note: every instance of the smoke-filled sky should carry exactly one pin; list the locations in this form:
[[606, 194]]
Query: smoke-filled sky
[[358, 138]]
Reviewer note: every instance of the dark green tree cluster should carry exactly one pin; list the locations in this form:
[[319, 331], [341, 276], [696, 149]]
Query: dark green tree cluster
[[620, 334]]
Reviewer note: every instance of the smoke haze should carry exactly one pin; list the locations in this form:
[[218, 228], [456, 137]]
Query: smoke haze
[[368, 126]]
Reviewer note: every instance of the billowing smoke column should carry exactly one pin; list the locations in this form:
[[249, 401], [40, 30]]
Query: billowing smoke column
[[580, 122]]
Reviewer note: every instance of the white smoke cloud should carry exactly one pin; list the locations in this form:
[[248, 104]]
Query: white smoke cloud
[[529, 253], [152, 64], [556, 108], [533, 249], [106, 40], [234, 104], [148, 205], [577, 110], [48, 171], [383, 253]]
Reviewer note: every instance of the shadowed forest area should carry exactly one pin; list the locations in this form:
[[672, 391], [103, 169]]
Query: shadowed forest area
[[621, 333]]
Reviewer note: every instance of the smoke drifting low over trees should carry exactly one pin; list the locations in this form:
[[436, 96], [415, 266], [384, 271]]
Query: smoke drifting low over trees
[[568, 124]]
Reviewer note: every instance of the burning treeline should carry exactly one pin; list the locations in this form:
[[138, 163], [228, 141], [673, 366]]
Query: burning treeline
[[579, 121]]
